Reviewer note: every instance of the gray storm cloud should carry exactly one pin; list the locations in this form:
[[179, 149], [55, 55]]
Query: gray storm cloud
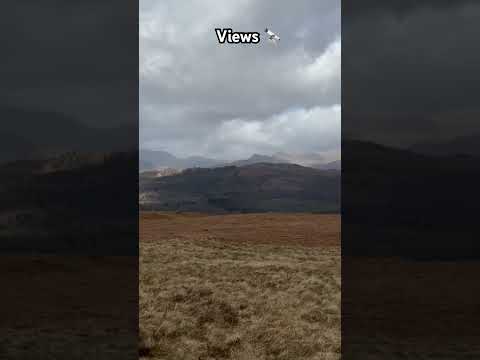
[[198, 97]]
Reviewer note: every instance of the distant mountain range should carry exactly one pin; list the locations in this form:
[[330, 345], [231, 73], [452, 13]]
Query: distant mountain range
[[157, 159], [258, 187], [457, 147], [304, 159], [258, 159]]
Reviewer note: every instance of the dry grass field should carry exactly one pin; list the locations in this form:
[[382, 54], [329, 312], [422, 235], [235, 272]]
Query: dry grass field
[[243, 287]]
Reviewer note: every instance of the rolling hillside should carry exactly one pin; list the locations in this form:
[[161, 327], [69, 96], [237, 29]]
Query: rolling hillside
[[259, 187]]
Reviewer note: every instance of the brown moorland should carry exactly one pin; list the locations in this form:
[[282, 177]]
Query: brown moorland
[[250, 286]]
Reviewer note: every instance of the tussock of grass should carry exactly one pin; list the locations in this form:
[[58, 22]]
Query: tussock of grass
[[202, 298]]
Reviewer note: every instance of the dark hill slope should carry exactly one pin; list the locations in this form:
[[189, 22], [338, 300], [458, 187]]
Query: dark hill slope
[[252, 188]]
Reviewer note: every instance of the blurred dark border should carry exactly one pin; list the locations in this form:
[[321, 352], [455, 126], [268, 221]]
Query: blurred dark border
[[410, 175], [69, 179]]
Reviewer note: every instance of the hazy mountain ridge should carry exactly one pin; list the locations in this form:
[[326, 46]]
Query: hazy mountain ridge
[[159, 159], [257, 158], [304, 159]]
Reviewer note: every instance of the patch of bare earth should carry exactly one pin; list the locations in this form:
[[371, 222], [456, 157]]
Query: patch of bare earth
[[239, 286]]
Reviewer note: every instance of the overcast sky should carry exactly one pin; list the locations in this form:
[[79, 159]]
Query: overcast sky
[[410, 70], [198, 97]]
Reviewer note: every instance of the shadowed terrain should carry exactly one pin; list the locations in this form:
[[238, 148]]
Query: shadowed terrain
[[260, 187]]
